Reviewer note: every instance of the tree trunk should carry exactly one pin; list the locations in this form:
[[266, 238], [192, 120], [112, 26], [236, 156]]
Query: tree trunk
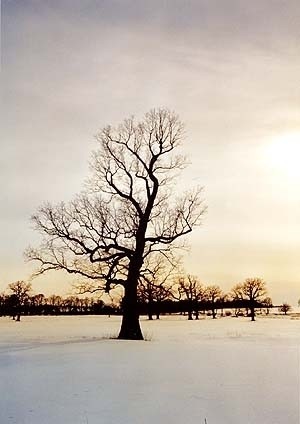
[[150, 309], [157, 306], [252, 313], [18, 317], [130, 327]]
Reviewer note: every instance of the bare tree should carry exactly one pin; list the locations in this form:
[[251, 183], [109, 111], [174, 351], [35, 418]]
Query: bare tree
[[3, 303], [213, 294], [128, 212], [223, 299], [285, 308], [21, 291], [237, 296], [268, 304], [37, 301], [253, 290], [156, 282], [191, 290]]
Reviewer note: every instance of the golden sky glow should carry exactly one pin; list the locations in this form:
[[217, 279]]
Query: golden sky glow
[[282, 154]]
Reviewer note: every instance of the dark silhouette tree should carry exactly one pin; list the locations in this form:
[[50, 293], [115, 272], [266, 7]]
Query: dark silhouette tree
[[56, 303], [37, 302], [253, 291], [213, 294], [192, 291], [224, 298], [71, 305], [156, 282], [237, 296], [129, 211], [21, 291], [285, 308], [268, 304], [3, 304]]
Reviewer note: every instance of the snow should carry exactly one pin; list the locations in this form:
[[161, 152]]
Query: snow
[[66, 370]]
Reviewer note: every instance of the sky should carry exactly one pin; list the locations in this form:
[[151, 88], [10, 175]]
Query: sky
[[231, 70]]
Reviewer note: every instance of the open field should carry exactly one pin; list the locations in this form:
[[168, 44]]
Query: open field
[[65, 370]]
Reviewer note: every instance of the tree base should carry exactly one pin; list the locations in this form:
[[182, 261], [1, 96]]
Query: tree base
[[130, 329]]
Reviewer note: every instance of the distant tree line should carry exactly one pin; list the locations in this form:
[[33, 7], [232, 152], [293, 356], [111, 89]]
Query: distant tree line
[[20, 301], [186, 295]]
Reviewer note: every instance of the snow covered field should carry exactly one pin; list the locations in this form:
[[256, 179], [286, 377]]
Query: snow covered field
[[62, 370]]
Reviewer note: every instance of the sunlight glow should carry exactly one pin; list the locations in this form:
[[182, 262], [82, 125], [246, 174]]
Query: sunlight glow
[[283, 155]]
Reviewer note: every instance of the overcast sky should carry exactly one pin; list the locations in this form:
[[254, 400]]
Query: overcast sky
[[230, 69]]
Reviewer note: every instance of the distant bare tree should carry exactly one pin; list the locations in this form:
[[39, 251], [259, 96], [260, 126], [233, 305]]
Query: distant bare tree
[[223, 299], [3, 302], [285, 308], [237, 295], [253, 290], [191, 290], [71, 304], [268, 304], [130, 211], [37, 301], [213, 295], [21, 291], [56, 302], [156, 282]]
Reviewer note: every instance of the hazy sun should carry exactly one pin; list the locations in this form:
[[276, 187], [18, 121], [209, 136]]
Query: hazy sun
[[283, 154]]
